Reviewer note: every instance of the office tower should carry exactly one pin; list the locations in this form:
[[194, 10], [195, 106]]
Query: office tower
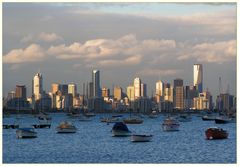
[[198, 77], [117, 93], [105, 92], [137, 88], [64, 89], [55, 87], [96, 83], [190, 92], [159, 93], [168, 93], [203, 101], [11, 95], [72, 89], [21, 91], [143, 90], [178, 94], [130, 93], [37, 86], [90, 90]]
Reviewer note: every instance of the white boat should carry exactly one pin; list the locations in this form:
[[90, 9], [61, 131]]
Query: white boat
[[141, 138], [66, 127], [26, 133], [170, 124], [120, 130]]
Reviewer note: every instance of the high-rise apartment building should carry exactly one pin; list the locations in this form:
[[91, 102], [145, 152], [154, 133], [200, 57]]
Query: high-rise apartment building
[[64, 89], [72, 89], [198, 77], [117, 93], [21, 91], [168, 93], [159, 93], [37, 86], [137, 88], [96, 83]]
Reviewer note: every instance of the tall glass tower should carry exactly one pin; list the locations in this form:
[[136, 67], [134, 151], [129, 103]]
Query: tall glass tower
[[96, 83], [37, 86], [198, 77]]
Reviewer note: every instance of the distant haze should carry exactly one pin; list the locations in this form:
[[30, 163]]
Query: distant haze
[[153, 41]]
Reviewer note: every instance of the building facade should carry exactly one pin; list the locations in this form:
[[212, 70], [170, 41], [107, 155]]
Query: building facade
[[37, 86], [198, 77]]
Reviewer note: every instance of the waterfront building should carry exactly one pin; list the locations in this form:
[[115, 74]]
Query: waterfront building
[[55, 87], [178, 94], [44, 103], [96, 83], [142, 105], [198, 77], [67, 102], [143, 90], [105, 92], [159, 93], [11, 95], [37, 86], [137, 88], [117, 93], [203, 101], [225, 102], [90, 91], [72, 89], [96, 104], [130, 93], [21, 92], [64, 89]]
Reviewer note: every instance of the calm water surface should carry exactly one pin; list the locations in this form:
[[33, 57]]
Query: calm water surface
[[93, 143]]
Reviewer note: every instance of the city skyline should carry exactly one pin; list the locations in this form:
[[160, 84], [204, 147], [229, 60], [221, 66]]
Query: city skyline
[[153, 45]]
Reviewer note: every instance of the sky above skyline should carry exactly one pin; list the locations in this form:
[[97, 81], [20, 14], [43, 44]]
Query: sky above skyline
[[153, 41]]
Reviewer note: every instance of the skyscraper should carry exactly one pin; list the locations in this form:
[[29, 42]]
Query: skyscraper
[[137, 88], [55, 87], [21, 91], [178, 94], [117, 93], [130, 93], [72, 89], [143, 90], [96, 83], [37, 86], [198, 77], [105, 92]]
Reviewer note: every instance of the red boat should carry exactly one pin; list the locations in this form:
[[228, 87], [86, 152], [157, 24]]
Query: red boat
[[216, 133]]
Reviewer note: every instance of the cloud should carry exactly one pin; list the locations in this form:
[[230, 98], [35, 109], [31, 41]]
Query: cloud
[[49, 37], [32, 53], [217, 52], [43, 36], [158, 72]]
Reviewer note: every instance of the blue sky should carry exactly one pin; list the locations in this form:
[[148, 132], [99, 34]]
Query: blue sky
[[147, 40]]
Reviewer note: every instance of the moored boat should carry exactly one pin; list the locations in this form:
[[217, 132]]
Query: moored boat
[[141, 137], [208, 118], [222, 120], [120, 130], [216, 133], [184, 118], [133, 121], [26, 133], [84, 118], [170, 124], [66, 127]]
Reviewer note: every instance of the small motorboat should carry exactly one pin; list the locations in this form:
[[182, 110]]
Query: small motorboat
[[152, 116], [133, 121], [89, 114], [10, 126], [26, 133], [117, 116], [66, 127], [208, 118], [222, 120], [216, 133], [120, 130], [84, 118], [141, 138], [113, 120], [170, 124], [42, 126]]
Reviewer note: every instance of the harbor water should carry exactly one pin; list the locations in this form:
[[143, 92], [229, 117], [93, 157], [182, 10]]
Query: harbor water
[[93, 143]]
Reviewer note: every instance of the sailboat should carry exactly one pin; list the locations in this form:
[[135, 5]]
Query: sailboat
[[131, 120]]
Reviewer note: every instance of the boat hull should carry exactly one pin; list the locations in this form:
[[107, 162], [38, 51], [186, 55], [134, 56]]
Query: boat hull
[[208, 118], [119, 133], [26, 134], [66, 130], [42, 126], [141, 138], [133, 121], [216, 134], [222, 121]]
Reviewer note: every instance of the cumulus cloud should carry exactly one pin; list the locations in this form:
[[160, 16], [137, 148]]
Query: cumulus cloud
[[32, 53], [217, 52]]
